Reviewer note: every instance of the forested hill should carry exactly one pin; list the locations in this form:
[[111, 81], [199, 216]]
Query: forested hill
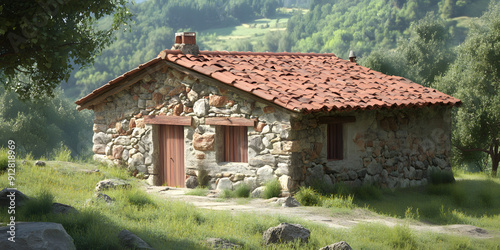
[[327, 26], [153, 28]]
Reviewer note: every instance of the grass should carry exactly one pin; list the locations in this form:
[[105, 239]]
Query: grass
[[4, 159], [198, 191], [254, 31], [272, 189], [63, 153], [242, 191], [474, 200], [167, 224]]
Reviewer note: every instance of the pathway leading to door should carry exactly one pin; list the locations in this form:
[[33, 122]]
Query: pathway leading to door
[[314, 214]]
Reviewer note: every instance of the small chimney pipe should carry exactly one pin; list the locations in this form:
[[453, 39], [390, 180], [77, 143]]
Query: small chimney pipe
[[186, 42], [352, 56]]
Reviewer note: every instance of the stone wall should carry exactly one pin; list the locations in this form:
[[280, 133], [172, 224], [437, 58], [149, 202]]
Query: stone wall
[[391, 148], [122, 137]]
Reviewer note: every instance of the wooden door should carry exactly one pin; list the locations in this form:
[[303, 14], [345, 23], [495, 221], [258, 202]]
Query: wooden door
[[172, 155]]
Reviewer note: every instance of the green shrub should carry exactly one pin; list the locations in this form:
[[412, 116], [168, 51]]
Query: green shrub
[[403, 238], [4, 159], [203, 177], [242, 191], [338, 201], [226, 194], [37, 206], [441, 177], [272, 189], [62, 154], [306, 196]]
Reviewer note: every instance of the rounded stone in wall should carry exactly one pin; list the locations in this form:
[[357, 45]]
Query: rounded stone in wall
[[224, 183], [264, 174]]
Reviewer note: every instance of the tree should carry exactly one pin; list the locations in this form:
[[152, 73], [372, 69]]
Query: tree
[[422, 57], [41, 40], [42, 125], [475, 79]]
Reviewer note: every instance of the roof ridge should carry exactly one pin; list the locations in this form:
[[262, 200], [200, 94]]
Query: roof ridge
[[165, 52]]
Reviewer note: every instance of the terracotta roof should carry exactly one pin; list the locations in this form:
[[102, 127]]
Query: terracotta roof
[[306, 82]]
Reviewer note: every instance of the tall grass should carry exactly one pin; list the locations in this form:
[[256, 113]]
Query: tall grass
[[62, 153], [272, 189], [4, 159]]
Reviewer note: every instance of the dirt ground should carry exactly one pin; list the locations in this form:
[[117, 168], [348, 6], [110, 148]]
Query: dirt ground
[[314, 214]]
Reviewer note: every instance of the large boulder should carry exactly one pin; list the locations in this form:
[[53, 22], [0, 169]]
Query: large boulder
[[132, 241], [111, 183], [342, 245], [9, 194], [218, 243], [286, 232], [37, 235]]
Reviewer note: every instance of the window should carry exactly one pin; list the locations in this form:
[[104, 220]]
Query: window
[[335, 142], [235, 144]]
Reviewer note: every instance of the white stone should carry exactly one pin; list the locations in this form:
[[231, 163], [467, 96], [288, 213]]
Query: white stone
[[192, 96], [136, 160], [101, 138], [122, 140], [224, 183], [266, 129], [109, 148], [201, 107], [286, 182], [148, 160], [266, 142], [282, 169], [257, 193], [264, 174], [251, 182]]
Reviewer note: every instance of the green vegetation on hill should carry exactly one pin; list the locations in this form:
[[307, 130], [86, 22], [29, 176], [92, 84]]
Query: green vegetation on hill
[[42, 126], [153, 28]]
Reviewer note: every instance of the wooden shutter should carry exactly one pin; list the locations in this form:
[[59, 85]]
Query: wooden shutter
[[235, 145], [335, 142]]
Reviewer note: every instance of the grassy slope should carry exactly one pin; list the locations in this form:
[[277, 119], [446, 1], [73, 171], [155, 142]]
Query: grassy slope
[[175, 225], [254, 31]]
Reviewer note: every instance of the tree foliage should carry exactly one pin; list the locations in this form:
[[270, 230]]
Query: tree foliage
[[38, 126], [475, 79], [422, 57], [155, 23], [40, 40]]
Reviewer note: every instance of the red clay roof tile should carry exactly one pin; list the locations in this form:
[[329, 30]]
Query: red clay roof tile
[[307, 82]]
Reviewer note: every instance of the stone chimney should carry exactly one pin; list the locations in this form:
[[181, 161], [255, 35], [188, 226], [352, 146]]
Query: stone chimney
[[186, 43], [352, 56]]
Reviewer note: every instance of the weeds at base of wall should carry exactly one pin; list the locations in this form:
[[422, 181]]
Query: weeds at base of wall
[[272, 189], [203, 176], [242, 191], [307, 196]]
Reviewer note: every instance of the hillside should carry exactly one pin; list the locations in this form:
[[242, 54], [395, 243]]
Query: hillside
[[265, 25]]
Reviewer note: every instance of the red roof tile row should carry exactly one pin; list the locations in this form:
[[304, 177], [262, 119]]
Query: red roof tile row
[[306, 82]]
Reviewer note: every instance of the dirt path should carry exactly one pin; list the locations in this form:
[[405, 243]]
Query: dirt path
[[314, 214]]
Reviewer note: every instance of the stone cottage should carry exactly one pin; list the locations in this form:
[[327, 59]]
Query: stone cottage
[[250, 117]]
